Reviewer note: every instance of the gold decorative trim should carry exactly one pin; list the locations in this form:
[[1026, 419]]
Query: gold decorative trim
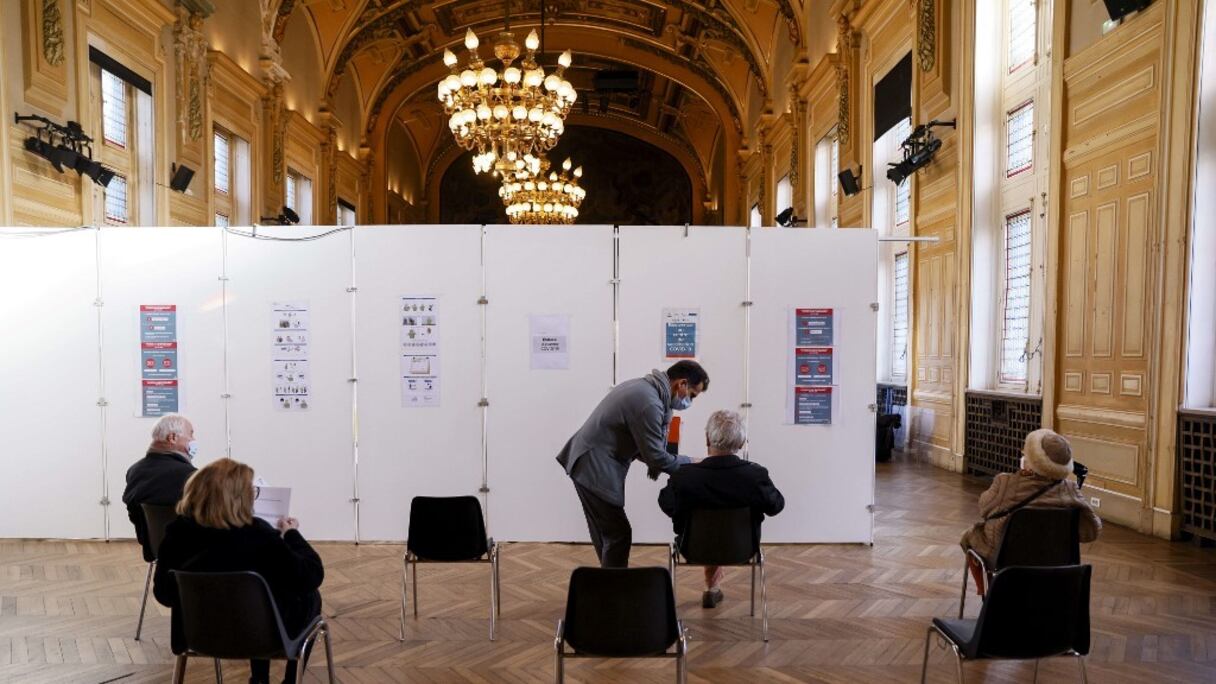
[[52, 33], [844, 56], [926, 34]]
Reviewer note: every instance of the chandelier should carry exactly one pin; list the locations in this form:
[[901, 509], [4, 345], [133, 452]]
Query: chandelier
[[508, 115], [535, 195]]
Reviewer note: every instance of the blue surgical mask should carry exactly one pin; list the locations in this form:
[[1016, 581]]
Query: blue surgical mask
[[680, 403], [192, 449]]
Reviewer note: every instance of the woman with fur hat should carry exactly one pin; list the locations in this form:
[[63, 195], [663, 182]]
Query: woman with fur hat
[[1041, 482]]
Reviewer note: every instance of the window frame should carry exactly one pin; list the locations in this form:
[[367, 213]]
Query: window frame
[[899, 357], [1008, 129], [1003, 307]]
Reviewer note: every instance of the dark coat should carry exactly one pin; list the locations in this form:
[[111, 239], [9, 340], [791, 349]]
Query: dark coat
[[158, 478], [719, 482], [289, 565], [630, 423]]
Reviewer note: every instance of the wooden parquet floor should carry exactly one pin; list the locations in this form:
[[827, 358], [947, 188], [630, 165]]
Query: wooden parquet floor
[[838, 613]]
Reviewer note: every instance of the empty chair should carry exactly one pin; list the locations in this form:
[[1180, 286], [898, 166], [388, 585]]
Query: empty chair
[[621, 613], [157, 518], [448, 529], [722, 537], [1033, 536], [1029, 613], [232, 616]]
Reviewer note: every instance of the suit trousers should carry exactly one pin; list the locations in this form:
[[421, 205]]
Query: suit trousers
[[611, 534]]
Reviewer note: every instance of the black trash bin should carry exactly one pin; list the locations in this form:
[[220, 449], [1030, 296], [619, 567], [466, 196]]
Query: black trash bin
[[884, 436]]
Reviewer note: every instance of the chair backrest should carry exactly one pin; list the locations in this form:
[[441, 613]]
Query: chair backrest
[[229, 615], [1034, 612], [447, 528], [620, 612], [157, 518], [1041, 537], [719, 537]]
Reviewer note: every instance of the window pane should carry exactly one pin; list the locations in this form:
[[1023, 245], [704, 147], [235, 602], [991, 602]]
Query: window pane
[[113, 109], [116, 200], [291, 192], [1019, 146], [221, 221], [903, 191], [753, 219], [835, 181], [221, 162], [899, 325], [785, 194], [1021, 32], [1016, 330]]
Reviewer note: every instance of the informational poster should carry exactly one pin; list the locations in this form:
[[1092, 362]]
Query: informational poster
[[815, 327], [813, 405], [550, 342], [420, 372], [289, 355], [813, 366], [811, 390], [159, 391], [681, 333]]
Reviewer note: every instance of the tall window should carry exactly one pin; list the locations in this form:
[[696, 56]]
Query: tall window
[[347, 216], [834, 205], [785, 194], [899, 326], [827, 185], [298, 196], [221, 220], [1015, 305], [1019, 139], [292, 199], [231, 178], [1021, 32], [903, 191], [223, 161], [753, 218], [115, 110], [118, 210]]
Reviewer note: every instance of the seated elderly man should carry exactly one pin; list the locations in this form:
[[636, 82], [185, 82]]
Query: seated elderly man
[[720, 481], [159, 477]]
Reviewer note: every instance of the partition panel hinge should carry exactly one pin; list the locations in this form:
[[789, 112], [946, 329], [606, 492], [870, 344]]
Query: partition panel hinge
[[352, 379], [483, 489], [746, 404], [99, 302], [483, 300], [614, 281], [747, 302], [685, 230], [105, 501], [483, 402], [225, 396], [102, 402], [873, 306], [871, 507], [873, 408], [223, 279], [352, 289], [355, 500]]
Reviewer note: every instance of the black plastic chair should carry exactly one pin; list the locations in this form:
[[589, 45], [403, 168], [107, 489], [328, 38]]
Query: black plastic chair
[[723, 537], [156, 519], [232, 616], [1039, 537], [621, 613], [448, 529], [1030, 613]]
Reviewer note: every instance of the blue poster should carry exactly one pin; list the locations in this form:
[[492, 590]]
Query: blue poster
[[159, 397], [814, 327], [158, 360], [680, 333], [812, 405], [158, 323], [812, 366]]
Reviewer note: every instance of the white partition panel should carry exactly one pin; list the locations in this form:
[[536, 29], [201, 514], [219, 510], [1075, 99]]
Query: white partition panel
[[434, 450], [179, 266], [308, 450], [825, 471], [673, 267], [543, 271], [51, 436]]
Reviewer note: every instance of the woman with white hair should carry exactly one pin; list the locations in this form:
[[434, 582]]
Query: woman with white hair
[[1042, 482]]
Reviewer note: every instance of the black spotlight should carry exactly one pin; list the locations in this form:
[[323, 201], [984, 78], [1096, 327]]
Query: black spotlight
[[1117, 9], [62, 156], [783, 219], [849, 182], [289, 217], [182, 175]]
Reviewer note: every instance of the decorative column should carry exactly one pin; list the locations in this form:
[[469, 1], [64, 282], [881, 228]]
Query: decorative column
[[274, 113]]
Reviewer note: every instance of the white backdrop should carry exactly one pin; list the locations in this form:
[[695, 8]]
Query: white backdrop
[[356, 457]]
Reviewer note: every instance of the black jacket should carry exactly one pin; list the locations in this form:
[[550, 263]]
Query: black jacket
[[289, 565], [158, 478], [720, 482]]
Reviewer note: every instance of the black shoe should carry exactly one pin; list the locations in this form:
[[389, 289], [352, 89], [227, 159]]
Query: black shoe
[[711, 598]]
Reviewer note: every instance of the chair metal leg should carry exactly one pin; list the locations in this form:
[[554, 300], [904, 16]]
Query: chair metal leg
[[1036, 671], [219, 672], [958, 662], [404, 586], [494, 593], [179, 669], [498, 576], [962, 599], [1084, 675], [924, 663], [414, 581], [671, 567], [753, 609], [682, 655], [763, 598], [559, 675], [329, 659], [143, 605]]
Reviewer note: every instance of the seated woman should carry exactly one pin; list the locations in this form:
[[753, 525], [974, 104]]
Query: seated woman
[[216, 532], [1042, 482]]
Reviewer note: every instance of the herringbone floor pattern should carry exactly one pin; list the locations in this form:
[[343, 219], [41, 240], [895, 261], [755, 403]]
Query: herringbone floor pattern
[[838, 613]]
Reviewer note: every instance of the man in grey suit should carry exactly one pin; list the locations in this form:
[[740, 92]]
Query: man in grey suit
[[630, 423]]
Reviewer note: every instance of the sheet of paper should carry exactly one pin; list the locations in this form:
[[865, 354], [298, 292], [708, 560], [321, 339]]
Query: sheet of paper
[[419, 340], [289, 339], [681, 334], [271, 503], [550, 342]]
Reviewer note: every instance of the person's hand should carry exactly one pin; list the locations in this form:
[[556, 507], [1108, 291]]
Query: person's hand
[[288, 524]]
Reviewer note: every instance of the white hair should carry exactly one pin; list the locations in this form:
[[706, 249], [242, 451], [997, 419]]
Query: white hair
[[169, 424], [726, 431]]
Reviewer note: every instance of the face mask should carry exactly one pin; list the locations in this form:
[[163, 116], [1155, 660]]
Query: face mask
[[680, 403], [192, 449]]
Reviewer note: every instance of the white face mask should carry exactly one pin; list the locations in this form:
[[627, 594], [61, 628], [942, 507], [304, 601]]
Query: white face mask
[[192, 449]]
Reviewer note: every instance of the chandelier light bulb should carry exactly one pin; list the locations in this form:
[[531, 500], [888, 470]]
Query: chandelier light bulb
[[533, 41], [484, 113], [468, 78], [520, 112], [488, 76], [501, 112], [512, 75], [449, 58], [552, 82], [565, 60], [566, 164], [534, 78], [470, 40], [578, 173]]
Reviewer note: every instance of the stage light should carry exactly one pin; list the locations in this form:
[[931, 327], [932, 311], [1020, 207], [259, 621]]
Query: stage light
[[918, 149]]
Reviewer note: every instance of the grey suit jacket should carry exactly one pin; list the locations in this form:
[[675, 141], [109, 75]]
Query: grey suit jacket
[[630, 423]]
